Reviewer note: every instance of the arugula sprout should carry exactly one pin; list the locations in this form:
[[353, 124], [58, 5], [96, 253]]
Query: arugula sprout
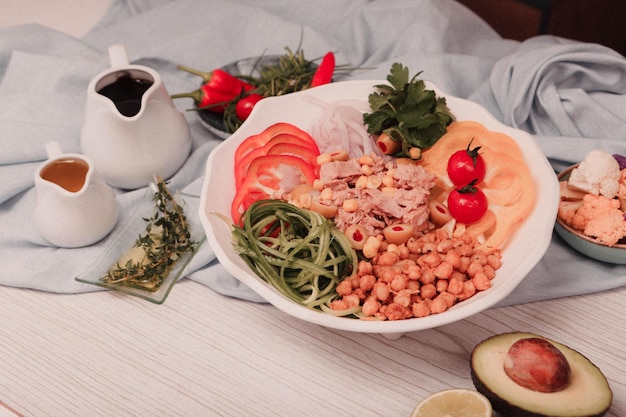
[[407, 112]]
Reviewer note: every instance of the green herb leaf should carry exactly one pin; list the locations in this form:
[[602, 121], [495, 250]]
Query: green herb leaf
[[407, 111]]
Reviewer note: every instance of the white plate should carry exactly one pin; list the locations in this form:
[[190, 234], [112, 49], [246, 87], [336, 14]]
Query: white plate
[[521, 254]]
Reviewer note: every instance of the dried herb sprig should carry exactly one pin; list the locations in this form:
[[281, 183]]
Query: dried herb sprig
[[165, 240]]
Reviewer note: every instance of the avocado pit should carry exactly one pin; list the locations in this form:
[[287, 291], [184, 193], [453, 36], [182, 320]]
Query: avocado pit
[[537, 364]]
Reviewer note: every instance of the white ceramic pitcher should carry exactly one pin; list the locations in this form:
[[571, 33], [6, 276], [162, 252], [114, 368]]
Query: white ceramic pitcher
[[75, 207], [132, 131]]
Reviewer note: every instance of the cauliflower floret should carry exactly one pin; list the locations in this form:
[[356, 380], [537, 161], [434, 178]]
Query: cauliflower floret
[[608, 228], [598, 217], [598, 174]]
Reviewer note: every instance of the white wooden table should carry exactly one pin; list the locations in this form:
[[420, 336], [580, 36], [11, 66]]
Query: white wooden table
[[202, 354]]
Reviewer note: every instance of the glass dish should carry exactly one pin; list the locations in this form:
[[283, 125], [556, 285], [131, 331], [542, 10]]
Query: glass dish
[[124, 240]]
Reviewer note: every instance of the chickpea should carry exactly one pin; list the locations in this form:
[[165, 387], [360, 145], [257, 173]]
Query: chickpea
[[427, 276], [441, 285], [455, 285], [402, 298], [468, 290], [370, 249], [398, 283], [381, 291], [344, 288], [370, 306], [366, 282], [438, 305], [481, 282], [420, 309], [364, 267], [352, 300], [428, 291], [449, 298], [443, 270]]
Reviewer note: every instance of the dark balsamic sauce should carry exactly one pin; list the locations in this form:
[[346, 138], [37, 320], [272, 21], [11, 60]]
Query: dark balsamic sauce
[[126, 93]]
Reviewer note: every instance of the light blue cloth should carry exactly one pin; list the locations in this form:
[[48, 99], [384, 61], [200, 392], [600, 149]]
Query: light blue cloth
[[570, 95]]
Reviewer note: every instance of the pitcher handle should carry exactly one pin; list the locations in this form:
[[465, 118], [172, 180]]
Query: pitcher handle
[[118, 56], [53, 150]]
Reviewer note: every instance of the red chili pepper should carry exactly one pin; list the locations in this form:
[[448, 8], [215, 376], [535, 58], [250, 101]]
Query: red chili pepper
[[244, 106], [324, 73], [220, 80], [208, 98]]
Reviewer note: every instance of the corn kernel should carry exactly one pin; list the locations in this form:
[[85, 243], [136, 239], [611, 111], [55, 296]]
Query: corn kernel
[[361, 182], [366, 160], [388, 180], [323, 158], [318, 184], [366, 170], [373, 182], [350, 205], [326, 194], [389, 191]]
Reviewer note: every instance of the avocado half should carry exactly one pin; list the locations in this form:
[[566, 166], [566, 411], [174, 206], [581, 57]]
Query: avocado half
[[587, 395]]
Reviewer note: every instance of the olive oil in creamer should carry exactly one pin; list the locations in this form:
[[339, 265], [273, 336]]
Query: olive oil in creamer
[[126, 93], [68, 173]]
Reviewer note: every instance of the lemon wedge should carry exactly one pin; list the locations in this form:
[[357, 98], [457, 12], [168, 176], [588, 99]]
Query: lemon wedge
[[456, 402]]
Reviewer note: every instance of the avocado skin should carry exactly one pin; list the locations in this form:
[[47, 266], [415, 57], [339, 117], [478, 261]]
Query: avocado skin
[[502, 406]]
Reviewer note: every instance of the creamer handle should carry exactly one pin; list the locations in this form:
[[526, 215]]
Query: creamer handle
[[53, 149]]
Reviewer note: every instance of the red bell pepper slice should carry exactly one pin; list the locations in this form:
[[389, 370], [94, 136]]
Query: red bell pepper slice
[[270, 176], [282, 143], [258, 140]]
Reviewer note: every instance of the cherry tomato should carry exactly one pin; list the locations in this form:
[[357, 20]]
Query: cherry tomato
[[465, 166], [244, 106], [467, 204]]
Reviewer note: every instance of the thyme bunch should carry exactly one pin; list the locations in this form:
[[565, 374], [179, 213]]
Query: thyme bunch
[[166, 239]]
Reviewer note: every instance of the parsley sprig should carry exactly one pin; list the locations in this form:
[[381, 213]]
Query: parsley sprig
[[407, 112]]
